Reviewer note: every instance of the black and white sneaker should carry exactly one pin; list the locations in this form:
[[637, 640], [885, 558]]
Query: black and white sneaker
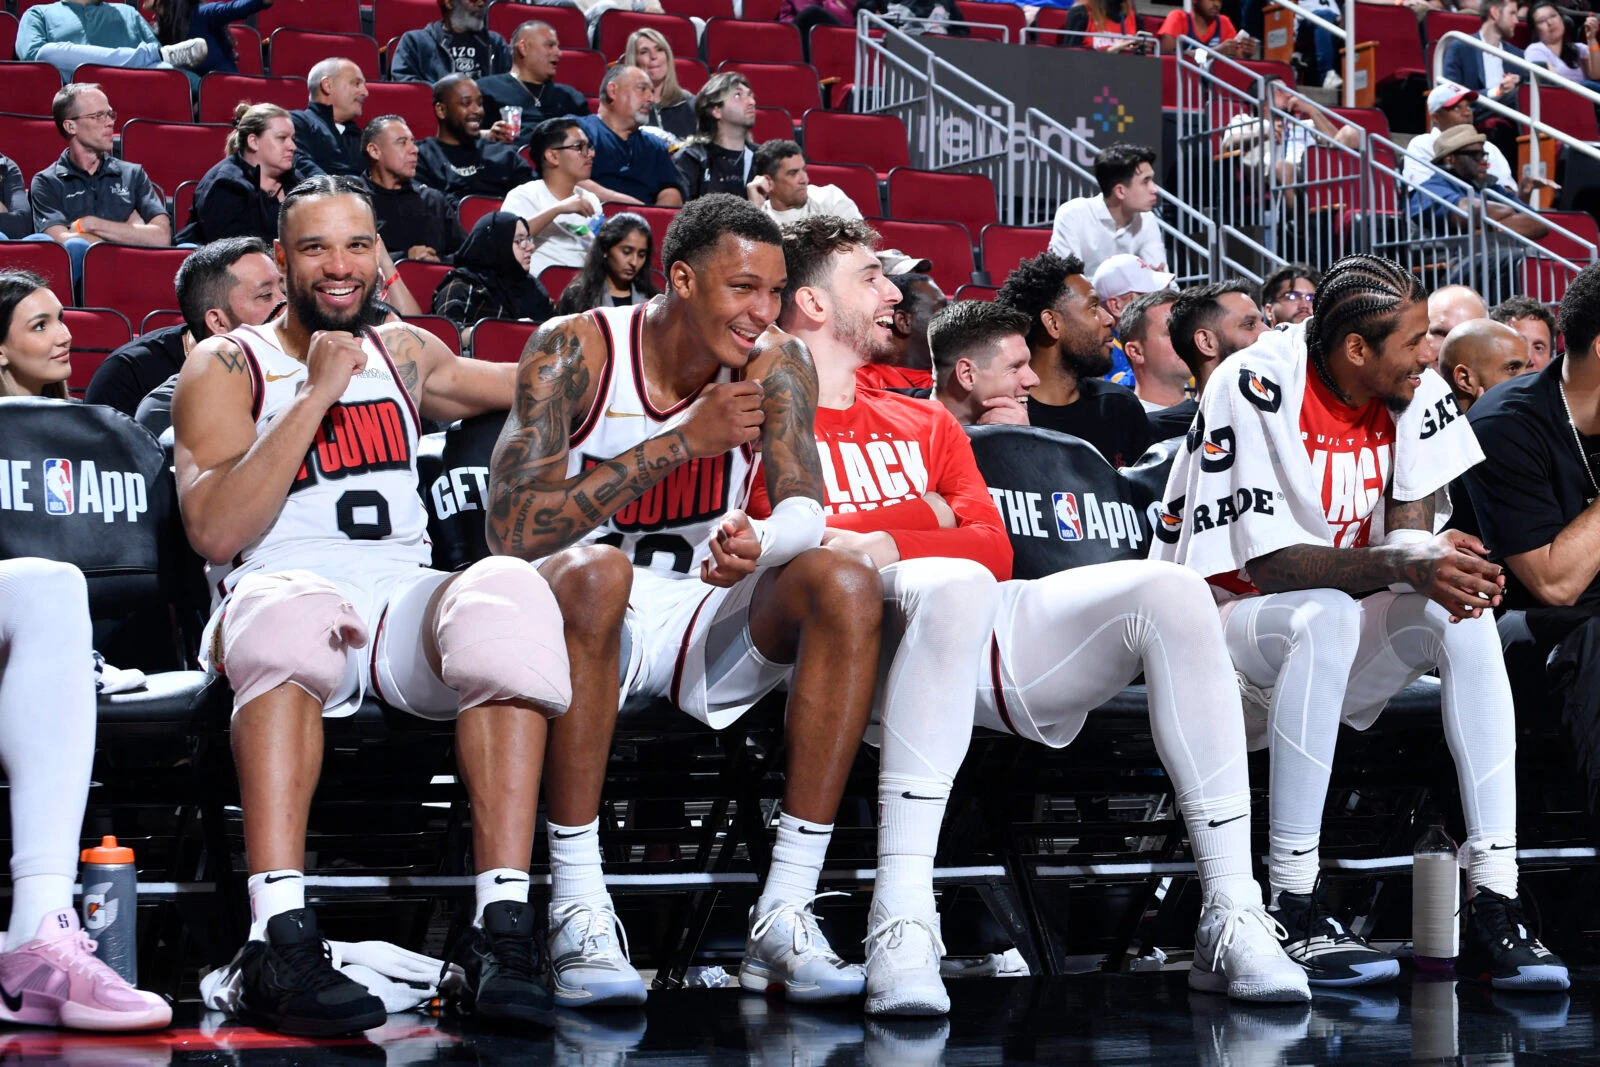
[[288, 983], [1496, 947], [1330, 954], [504, 964]]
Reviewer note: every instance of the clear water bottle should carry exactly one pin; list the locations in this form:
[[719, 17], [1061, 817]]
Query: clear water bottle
[[1435, 901], [111, 906]]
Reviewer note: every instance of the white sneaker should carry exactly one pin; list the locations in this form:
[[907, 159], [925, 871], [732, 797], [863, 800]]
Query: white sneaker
[[187, 54], [786, 948], [589, 964], [1237, 952], [903, 953], [1332, 80]]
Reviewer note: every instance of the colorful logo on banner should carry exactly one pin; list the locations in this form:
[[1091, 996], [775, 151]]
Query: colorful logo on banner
[[1112, 113]]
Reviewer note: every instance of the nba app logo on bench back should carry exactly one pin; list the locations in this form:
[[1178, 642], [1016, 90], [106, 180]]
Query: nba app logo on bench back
[[1069, 523], [58, 487]]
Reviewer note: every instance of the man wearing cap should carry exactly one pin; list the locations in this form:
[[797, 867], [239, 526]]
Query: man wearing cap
[[1118, 281], [1459, 152], [1449, 106]]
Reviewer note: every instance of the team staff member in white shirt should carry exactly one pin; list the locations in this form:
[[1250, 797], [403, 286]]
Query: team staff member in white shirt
[[782, 189], [1121, 219], [557, 210]]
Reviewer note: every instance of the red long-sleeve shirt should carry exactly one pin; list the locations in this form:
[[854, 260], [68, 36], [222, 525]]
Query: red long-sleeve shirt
[[880, 455]]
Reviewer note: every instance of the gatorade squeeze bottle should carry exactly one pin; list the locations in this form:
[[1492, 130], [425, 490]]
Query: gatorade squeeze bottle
[[110, 906]]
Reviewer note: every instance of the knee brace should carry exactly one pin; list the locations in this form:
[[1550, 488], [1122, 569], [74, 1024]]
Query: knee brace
[[501, 637], [287, 627]]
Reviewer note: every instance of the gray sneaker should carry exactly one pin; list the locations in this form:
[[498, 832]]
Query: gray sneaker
[[786, 950], [186, 54], [589, 958]]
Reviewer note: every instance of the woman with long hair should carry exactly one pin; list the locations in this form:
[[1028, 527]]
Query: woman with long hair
[[240, 196], [1555, 48], [673, 109], [35, 344], [490, 278], [179, 20], [1103, 21], [617, 271]]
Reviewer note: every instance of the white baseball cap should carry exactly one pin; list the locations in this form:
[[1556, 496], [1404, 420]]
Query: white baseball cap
[[1127, 273], [1448, 94]]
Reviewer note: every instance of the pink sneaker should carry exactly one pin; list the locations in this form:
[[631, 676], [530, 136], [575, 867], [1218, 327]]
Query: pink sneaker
[[56, 980]]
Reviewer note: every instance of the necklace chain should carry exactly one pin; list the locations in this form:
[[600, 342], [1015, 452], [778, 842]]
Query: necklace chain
[[1577, 438]]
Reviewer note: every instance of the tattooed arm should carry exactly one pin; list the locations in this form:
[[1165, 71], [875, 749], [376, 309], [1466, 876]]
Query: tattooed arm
[[443, 385], [788, 435]]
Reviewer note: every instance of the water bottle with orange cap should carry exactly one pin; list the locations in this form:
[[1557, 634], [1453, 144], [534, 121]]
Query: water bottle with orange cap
[[110, 906]]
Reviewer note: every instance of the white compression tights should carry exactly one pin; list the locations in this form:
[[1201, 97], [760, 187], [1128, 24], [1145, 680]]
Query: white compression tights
[[47, 721], [1327, 657]]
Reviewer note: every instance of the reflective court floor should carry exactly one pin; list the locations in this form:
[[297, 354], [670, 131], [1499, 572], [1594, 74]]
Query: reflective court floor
[[1087, 1019]]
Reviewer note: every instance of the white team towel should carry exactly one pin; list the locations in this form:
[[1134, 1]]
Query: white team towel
[[402, 979], [1244, 486]]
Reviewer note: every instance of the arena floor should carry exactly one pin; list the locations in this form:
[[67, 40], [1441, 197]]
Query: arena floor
[[1085, 1019]]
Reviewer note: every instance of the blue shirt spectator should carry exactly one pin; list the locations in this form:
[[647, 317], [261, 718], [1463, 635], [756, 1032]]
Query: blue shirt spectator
[[69, 33], [1484, 72], [630, 166]]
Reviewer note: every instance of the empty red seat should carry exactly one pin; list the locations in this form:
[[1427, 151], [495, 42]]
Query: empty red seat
[[879, 141], [133, 280], [392, 18], [247, 45], [473, 208], [412, 101], [1546, 280], [31, 143], [572, 29], [659, 219], [221, 93], [294, 52], [173, 153], [692, 73], [583, 69], [699, 9], [440, 327], [833, 53], [555, 279], [855, 180], [160, 320], [616, 26], [8, 36], [28, 88], [937, 196], [1003, 247], [1439, 23], [422, 278], [772, 123], [502, 340], [791, 86], [162, 95], [977, 292], [752, 42], [44, 258], [328, 16], [1394, 29], [96, 332], [947, 244], [761, 10], [1563, 109], [1008, 17]]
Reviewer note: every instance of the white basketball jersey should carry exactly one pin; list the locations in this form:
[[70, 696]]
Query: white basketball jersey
[[668, 529], [354, 500]]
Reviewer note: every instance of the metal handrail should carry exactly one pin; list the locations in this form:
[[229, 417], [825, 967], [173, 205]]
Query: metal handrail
[[938, 24], [1338, 31]]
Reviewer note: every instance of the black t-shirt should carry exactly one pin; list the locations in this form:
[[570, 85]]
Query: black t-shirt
[[471, 55], [129, 373], [1168, 423], [1107, 416], [1532, 483]]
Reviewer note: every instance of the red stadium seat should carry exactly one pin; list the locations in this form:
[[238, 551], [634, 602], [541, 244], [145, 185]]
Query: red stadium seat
[[1394, 29], [1547, 281], [616, 26], [1003, 247], [762, 10], [326, 16], [46, 259], [473, 208], [440, 327], [501, 340], [133, 280], [833, 53], [422, 278], [412, 101], [555, 279], [856, 181], [391, 18], [659, 219], [772, 122], [183, 205], [173, 153], [96, 332], [879, 141], [31, 143], [792, 86], [160, 320], [1373, 121], [294, 52], [572, 29], [221, 93], [947, 244], [8, 36], [1563, 109], [976, 292], [247, 43], [700, 9], [1229, 74], [692, 73], [162, 95], [583, 69], [28, 88], [936, 196], [1439, 23], [752, 42], [1007, 16]]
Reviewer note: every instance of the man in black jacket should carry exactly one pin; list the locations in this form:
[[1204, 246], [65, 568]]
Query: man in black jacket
[[532, 85], [458, 162], [457, 44], [327, 137], [416, 221], [717, 159]]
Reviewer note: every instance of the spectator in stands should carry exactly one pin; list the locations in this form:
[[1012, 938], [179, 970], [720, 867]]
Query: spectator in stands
[[326, 136], [69, 33], [1206, 25], [1450, 105], [490, 279], [671, 106], [628, 168], [717, 159], [89, 195], [1477, 356], [458, 43], [1208, 324], [1484, 72], [1555, 51], [1448, 307], [804, 14], [16, 215], [988, 383], [183, 20], [239, 196], [561, 215], [1121, 219], [1117, 281], [616, 271], [220, 286], [1069, 335], [531, 82], [35, 344], [782, 189], [1534, 322], [417, 221], [458, 162], [1459, 154], [1160, 378], [1306, 126], [1288, 293], [907, 364], [1107, 26]]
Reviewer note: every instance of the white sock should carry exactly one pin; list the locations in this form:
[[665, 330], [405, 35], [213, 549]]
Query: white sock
[[502, 883], [273, 893], [32, 898], [1292, 862], [796, 862], [1219, 836], [1490, 867], [575, 872], [910, 811]]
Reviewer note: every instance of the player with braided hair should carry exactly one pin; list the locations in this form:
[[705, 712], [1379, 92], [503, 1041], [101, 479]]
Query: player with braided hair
[[1313, 484]]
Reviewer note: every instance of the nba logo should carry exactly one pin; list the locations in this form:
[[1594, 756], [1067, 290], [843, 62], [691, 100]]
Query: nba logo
[[58, 487], [1069, 524]]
